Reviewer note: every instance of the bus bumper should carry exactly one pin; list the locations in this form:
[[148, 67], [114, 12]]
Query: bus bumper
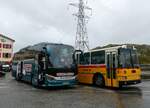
[[129, 82], [54, 83]]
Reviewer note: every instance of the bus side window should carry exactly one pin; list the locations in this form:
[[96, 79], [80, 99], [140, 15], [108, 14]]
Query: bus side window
[[86, 58], [108, 66], [114, 66], [81, 59], [98, 57]]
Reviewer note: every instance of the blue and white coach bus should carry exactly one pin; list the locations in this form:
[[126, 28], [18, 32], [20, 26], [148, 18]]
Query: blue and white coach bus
[[45, 64]]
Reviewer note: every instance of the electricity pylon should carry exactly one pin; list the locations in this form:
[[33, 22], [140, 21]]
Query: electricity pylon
[[81, 40]]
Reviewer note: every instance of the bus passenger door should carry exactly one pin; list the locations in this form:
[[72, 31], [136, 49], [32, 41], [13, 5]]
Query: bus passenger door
[[19, 71], [111, 70]]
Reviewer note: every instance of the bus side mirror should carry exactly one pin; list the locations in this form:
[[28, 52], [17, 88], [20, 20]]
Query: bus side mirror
[[44, 48], [76, 56], [45, 51]]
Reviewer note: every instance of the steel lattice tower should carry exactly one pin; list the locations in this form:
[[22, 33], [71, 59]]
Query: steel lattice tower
[[81, 40]]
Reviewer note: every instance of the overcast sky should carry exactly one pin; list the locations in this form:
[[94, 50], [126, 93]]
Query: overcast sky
[[113, 21]]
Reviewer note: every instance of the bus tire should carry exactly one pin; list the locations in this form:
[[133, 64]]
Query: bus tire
[[34, 84], [19, 77], [98, 80]]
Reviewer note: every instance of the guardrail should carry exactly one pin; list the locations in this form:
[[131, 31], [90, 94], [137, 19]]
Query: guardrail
[[145, 67], [145, 71]]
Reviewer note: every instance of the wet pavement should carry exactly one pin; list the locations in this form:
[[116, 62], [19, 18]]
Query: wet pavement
[[15, 94]]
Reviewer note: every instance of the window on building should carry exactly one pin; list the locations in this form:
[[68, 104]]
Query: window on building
[[3, 45], [10, 46], [7, 46], [6, 55], [98, 57]]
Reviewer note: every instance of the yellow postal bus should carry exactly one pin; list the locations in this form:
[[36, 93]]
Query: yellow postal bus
[[111, 67]]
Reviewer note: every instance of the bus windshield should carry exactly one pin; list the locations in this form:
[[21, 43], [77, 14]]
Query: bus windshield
[[128, 58], [135, 60], [60, 56]]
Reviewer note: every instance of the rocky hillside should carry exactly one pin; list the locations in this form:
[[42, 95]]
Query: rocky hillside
[[143, 51]]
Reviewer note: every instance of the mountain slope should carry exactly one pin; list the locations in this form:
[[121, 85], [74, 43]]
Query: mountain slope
[[143, 51]]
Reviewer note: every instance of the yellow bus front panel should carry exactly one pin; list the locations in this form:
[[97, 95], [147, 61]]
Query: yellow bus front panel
[[128, 74]]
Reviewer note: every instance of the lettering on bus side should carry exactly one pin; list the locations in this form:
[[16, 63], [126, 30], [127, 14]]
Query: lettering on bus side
[[86, 70], [28, 67]]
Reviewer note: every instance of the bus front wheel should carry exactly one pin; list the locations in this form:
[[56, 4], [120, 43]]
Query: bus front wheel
[[35, 82], [98, 80]]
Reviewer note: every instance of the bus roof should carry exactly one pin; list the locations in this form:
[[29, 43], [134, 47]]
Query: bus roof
[[30, 51], [39, 46], [108, 49]]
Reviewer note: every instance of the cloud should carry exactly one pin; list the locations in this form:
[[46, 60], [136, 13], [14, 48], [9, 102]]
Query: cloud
[[113, 21], [125, 21]]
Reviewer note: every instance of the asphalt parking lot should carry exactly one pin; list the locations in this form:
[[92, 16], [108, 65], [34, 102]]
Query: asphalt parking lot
[[15, 94]]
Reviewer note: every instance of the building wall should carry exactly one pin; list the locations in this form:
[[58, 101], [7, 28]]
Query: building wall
[[6, 49]]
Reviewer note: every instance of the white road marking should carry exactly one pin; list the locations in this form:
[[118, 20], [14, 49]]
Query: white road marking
[[1, 84], [1, 87]]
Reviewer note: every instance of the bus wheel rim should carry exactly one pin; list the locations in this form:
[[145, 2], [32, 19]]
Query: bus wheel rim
[[99, 80]]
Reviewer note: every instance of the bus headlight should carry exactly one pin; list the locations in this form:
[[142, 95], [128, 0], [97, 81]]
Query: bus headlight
[[49, 77]]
